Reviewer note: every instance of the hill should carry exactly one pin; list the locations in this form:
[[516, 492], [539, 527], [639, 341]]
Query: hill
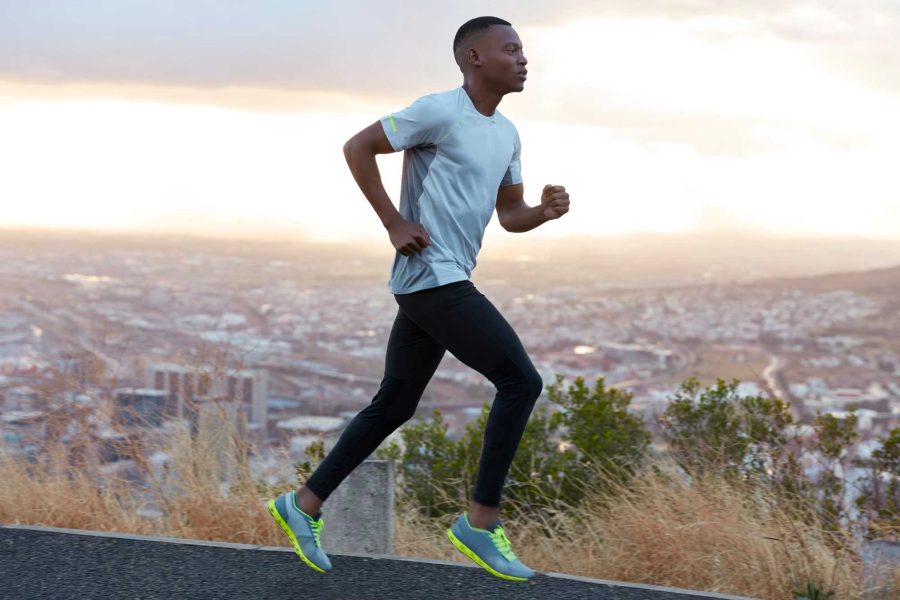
[[884, 281]]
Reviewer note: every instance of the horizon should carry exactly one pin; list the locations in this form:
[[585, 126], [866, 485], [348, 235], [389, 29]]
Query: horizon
[[265, 232], [633, 259]]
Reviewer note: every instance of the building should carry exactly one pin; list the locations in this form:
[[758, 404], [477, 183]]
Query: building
[[213, 412], [20, 398], [247, 386], [141, 407], [79, 369], [298, 432], [22, 432]]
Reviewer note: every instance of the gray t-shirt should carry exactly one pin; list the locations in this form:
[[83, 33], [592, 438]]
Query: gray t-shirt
[[455, 160]]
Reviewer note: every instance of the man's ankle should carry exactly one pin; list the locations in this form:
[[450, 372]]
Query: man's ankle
[[481, 522], [303, 502]]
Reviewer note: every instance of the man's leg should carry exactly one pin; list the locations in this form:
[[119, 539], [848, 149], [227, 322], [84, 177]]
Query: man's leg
[[468, 325], [411, 359]]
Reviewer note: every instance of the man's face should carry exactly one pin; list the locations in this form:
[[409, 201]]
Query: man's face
[[503, 60]]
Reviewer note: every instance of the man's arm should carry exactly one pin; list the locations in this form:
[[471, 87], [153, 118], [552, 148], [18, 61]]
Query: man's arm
[[516, 216], [359, 151]]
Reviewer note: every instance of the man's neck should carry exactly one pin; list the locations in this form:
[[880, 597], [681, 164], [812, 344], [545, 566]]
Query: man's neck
[[485, 101]]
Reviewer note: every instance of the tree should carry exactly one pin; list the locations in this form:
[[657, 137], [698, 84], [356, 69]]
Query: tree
[[715, 429], [834, 435], [880, 493], [556, 462], [611, 442]]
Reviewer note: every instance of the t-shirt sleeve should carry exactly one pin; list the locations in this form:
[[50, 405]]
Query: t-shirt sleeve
[[514, 170], [422, 123]]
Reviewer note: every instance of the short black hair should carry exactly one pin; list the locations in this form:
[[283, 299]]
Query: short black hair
[[472, 26]]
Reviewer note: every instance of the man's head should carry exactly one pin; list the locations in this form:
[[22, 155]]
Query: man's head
[[489, 49]]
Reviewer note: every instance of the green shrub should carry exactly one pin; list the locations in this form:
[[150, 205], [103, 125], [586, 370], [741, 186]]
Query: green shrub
[[436, 475]]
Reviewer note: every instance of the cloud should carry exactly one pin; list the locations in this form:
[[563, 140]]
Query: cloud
[[351, 46], [304, 51], [339, 46], [856, 39], [711, 135]]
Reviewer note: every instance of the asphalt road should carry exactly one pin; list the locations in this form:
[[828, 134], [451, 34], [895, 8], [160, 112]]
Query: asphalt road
[[37, 563]]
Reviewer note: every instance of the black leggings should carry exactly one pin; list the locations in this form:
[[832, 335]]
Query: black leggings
[[459, 318]]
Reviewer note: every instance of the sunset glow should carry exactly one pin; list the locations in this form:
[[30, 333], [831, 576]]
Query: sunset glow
[[651, 123]]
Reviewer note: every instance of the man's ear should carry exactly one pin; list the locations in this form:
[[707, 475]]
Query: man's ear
[[473, 58]]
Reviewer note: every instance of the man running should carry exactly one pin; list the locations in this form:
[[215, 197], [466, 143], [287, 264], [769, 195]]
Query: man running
[[461, 161]]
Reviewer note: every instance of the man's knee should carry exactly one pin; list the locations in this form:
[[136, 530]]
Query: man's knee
[[524, 380], [396, 400], [535, 383]]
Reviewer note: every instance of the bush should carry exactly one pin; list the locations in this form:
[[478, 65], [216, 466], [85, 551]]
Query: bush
[[880, 491], [715, 429], [556, 463]]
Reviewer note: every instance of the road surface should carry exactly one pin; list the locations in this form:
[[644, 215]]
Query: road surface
[[66, 563]]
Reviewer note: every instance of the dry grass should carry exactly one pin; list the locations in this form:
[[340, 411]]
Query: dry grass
[[708, 535], [45, 494], [65, 491]]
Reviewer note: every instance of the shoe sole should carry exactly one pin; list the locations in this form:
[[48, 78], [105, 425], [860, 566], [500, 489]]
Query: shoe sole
[[284, 526], [471, 554]]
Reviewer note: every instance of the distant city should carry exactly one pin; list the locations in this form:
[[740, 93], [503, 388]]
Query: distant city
[[292, 336]]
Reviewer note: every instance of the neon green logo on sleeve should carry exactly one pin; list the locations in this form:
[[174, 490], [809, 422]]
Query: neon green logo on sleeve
[[391, 119]]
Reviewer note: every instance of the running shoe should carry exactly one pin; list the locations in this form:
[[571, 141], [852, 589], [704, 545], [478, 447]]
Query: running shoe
[[302, 529], [489, 548]]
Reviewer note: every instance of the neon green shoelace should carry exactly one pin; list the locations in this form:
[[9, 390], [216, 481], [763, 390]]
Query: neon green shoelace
[[317, 528], [501, 542]]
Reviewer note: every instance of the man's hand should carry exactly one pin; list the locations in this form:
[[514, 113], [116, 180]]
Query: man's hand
[[555, 201], [408, 237]]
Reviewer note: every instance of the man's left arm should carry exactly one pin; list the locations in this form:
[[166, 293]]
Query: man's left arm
[[518, 217]]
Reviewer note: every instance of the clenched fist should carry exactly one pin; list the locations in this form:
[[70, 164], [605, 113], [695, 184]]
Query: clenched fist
[[555, 201], [408, 238]]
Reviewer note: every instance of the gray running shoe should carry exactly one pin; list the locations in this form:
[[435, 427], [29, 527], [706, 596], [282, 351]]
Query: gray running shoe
[[489, 548], [302, 529]]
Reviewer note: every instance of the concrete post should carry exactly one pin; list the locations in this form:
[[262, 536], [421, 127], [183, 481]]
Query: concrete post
[[359, 514]]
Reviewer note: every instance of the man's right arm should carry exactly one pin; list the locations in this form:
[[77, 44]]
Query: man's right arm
[[360, 150]]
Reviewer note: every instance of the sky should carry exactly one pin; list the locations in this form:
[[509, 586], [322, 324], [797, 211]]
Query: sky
[[775, 116]]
